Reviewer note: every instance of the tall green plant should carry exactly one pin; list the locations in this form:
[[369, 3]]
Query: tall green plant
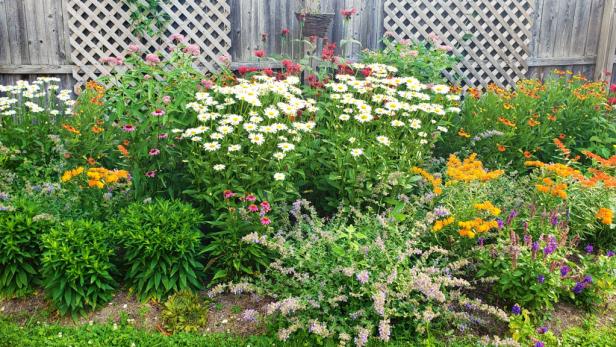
[[161, 242]]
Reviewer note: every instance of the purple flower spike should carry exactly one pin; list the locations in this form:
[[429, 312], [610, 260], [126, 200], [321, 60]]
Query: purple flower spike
[[589, 248], [541, 278], [564, 270]]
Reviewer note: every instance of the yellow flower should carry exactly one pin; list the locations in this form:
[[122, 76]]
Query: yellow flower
[[489, 207], [440, 224], [469, 170]]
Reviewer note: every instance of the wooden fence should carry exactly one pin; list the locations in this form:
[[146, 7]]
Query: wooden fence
[[501, 40]]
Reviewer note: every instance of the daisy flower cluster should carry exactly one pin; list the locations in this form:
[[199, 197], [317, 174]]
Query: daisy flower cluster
[[41, 95], [378, 110], [256, 124]]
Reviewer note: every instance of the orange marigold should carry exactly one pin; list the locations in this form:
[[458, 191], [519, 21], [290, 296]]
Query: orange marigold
[[605, 215], [469, 170]]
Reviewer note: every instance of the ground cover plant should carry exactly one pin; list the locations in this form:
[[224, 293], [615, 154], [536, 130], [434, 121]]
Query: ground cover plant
[[348, 203]]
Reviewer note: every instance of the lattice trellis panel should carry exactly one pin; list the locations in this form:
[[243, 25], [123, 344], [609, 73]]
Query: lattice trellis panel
[[101, 28], [501, 30]]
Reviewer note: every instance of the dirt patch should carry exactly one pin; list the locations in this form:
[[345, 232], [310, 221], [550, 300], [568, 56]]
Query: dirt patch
[[225, 313]]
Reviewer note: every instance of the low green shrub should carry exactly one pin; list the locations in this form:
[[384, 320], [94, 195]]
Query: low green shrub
[[184, 311], [161, 242], [21, 227], [76, 266]]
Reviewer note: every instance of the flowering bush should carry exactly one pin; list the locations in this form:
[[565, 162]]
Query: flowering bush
[[244, 218], [146, 100], [30, 118], [249, 137], [535, 121], [373, 124], [355, 282], [426, 61]]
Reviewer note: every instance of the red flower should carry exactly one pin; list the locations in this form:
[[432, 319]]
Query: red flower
[[260, 53], [613, 88], [291, 67], [268, 72], [284, 32], [611, 101], [348, 13], [366, 71], [245, 69], [328, 52]]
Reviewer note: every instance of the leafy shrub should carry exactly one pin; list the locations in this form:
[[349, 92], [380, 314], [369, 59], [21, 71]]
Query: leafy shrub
[[76, 266], [144, 103], [21, 228], [426, 61], [184, 311], [161, 242], [538, 120], [243, 218], [362, 280]]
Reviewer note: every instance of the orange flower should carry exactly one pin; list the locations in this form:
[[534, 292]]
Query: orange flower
[[463, 133], [501, 148], [435, 182], [71, 129], [91, 161], [507, 106], [506, 121], [611, 161], [125, 142], [474, 92], [469, 170], [95, 129], [552, 118], [123, 150], [527, 154], [533, 122], [562, 147], [562, 136], [605, 215]]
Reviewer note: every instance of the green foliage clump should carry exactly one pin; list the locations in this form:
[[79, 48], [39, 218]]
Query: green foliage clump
[[21, 227], [161, 242], [184, 311], [77, 267]]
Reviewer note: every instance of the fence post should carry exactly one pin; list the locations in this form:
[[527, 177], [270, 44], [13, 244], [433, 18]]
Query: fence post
[[607, 42]]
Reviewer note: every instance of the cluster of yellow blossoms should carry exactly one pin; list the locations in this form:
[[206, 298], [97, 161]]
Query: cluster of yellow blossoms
[[97, 177], [476, 226], [440, 224], [489, 207], [548, 186], [435, 182], [605, 215], [469, 170]]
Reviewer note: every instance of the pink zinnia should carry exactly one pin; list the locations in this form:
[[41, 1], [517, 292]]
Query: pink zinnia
[[154, 151], [192, 50], [228, 194], [251, 198], [176, 37], [129, 128], [163, 136], [166, 99], [265, 221], [150, 174], [158, 113], [260, 53], [152, 59], [253, 208]]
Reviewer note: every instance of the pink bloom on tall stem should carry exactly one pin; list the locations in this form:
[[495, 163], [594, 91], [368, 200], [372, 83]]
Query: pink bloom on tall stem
[[152, 59], [193, 50], [177, 37], [112, 61], [228, 194], [207, 83], [253, 208], [133, 48], [129, 128], [266, 207], [163, 136], [154, 151], [260, 53], [251, 197], [166, 99], [265, 221], [158, 113], [348, 13], [150, 174]]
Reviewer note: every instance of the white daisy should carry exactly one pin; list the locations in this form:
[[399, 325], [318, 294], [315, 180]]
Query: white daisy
[[344, 117], [234, 148], [384, 140], [286, 147], [279, 155], [256, 138], [219, 167], [279, 176], [356, 152], [415, 123], [211, 146], [397, 123]]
